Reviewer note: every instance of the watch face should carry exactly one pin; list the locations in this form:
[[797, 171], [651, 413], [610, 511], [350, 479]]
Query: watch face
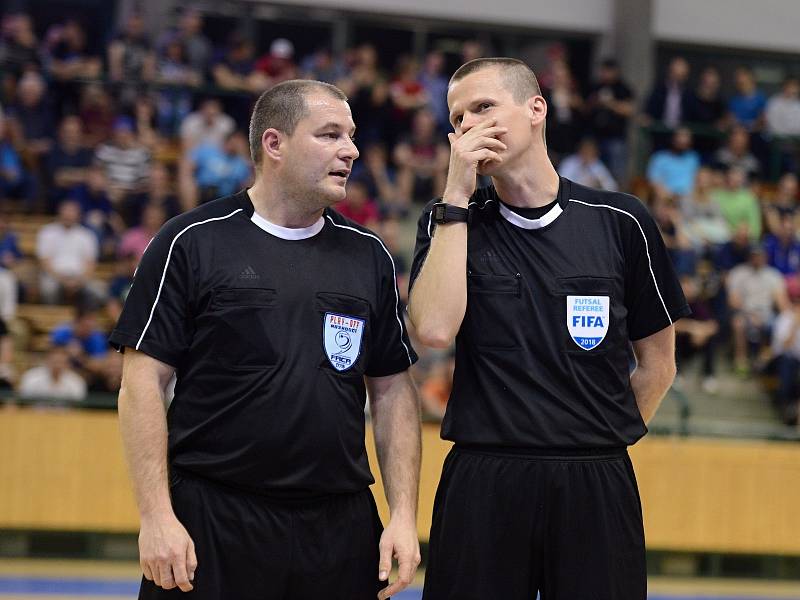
[[439, 212]]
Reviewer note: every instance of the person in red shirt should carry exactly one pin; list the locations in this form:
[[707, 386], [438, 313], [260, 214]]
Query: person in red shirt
[[358, 206], [278, 63]]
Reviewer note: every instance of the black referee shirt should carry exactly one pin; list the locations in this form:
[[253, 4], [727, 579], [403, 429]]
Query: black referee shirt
[[271, 331], [543, 353]]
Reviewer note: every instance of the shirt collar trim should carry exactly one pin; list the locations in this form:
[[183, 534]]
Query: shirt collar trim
[[288, 233]]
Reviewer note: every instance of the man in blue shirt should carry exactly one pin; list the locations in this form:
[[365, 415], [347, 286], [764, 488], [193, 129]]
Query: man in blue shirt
[[219, 171], [85, 343], [783, 248], [749, 103], [674, 169]]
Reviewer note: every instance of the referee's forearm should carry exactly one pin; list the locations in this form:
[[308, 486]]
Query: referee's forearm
[[438, 300], [143, 427], [396, 424], [650, 384]]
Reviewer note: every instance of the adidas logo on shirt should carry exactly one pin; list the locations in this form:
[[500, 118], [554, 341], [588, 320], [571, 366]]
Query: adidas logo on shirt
[[249, 273]]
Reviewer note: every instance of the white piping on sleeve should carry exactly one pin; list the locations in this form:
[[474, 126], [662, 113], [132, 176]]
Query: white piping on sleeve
[[646, 247], [394, 276], [166, 266]]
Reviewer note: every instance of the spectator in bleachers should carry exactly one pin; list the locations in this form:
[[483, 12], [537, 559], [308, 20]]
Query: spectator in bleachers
[[705, 104], [69, 55], [734, 252], [322, 66], [9, 245], [96, 112], [674, 169], [707, 108], [783, 119], [145, 119], [92, 197], [85, 343], [472, 49], [738, 203], [32, 120], [9, 255], [610, 106], [422, 159], [195, 43], [278, 64], [15, 182], [783, 109], [783, 247], [434, 82], [135, 240], [407, 94], [210, 171], [67, 253], [389, 230], [705, 223], [207, 125], [160, 192], [175, 103], [668, 101], [586, 168], [131, 58], [19, 47], [736, 154], [120, 285], [756, 293], [748, 103], [368, 91], [54, 380], [673, 229], [697, 334], [782, 203], [126, 161], [378, 175], [565, 107], [786, 354], [234, 69], [99, 214], [109, 377], [358, 206], [68, 163]]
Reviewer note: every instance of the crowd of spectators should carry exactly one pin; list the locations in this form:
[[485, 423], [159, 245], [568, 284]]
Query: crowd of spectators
[[113, 143]]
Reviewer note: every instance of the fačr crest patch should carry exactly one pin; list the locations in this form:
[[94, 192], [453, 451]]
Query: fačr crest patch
[[342, 335], [587, 320]]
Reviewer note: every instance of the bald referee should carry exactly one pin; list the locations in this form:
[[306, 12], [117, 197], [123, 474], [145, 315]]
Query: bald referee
[[544, 284], [275, 315]]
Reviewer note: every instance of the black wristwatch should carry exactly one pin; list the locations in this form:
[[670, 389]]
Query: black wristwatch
[[447, 213]]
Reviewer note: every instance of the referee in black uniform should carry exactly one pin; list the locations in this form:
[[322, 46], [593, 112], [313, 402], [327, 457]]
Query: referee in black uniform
[[275, 315], [544, 284]]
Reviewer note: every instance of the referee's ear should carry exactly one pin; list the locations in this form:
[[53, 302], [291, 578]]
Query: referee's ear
[[272, 143]]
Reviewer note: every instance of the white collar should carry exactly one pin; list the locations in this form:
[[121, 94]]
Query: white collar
[[520, 221], [288, 233]]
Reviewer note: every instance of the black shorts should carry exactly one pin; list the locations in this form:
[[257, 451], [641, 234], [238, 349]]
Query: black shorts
[[252, 548], [508, 525]]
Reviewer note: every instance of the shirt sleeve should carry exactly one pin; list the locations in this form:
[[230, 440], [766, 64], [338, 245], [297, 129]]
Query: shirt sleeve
[[391, 348], [156, 316], [424, 232], [653, 294]]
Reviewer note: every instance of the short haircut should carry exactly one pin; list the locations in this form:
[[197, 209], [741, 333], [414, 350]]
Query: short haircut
[[517, 76], [282, 107]]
